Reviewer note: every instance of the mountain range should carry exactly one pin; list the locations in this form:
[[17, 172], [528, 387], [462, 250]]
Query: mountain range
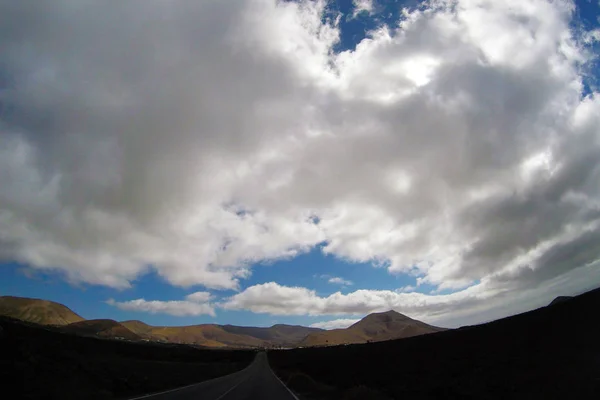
[[373, 328]]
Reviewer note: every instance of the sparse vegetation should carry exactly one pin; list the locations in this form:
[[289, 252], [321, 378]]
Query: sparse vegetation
[[37, 311]]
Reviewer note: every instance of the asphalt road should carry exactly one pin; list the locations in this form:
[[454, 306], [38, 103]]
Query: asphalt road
[[255, 382]]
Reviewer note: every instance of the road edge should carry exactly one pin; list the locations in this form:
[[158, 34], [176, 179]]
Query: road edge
[[280, 381], [193, 384]]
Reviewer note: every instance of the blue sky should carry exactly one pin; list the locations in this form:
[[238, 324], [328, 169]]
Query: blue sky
[[305, 270], [262, 159]]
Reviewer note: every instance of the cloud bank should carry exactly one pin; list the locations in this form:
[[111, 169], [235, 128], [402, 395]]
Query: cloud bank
[[459, 146], [488, 300], [335, 324], [195, 304]]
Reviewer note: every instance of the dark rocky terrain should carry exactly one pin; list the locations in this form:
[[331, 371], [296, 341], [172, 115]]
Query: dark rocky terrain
[[549, 353], [38, 362], [560, 299]]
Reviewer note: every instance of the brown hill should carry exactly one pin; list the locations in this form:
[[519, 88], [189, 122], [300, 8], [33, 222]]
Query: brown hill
[[106, 328], [37, 311], [372, 328], [205, 335], [139, 328], [50, 313], [375, 327], [223, 335], [277, 335]]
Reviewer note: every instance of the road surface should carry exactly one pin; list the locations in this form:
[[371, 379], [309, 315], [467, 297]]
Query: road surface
[[255, 382]]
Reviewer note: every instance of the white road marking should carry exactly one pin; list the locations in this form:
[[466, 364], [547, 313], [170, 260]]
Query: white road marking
[[284, 385], [238, 384], [193, 384]]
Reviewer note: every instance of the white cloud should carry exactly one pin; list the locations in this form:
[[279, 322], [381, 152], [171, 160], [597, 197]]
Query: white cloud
[[273, 298], [592, 36], [336, 280], [406, 289], [195, 304], [485, 301], [216, 142], [114, 163], [199, 297], [335, 324], [362, 6]]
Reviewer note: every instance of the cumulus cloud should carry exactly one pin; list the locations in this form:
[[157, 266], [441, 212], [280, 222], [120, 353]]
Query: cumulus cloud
[[273, 298], [406, 289], [199, 138], [336, 280], [335, 324], [132, 133], [362, 6], [482, 302], [195, 304], [199, 297], [340, 281]]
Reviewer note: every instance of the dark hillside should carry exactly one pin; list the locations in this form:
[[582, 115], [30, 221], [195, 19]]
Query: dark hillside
[[549, 353], [40, 362]]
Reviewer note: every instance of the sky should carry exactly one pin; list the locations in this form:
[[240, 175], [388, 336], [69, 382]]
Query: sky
[[302, 162]]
